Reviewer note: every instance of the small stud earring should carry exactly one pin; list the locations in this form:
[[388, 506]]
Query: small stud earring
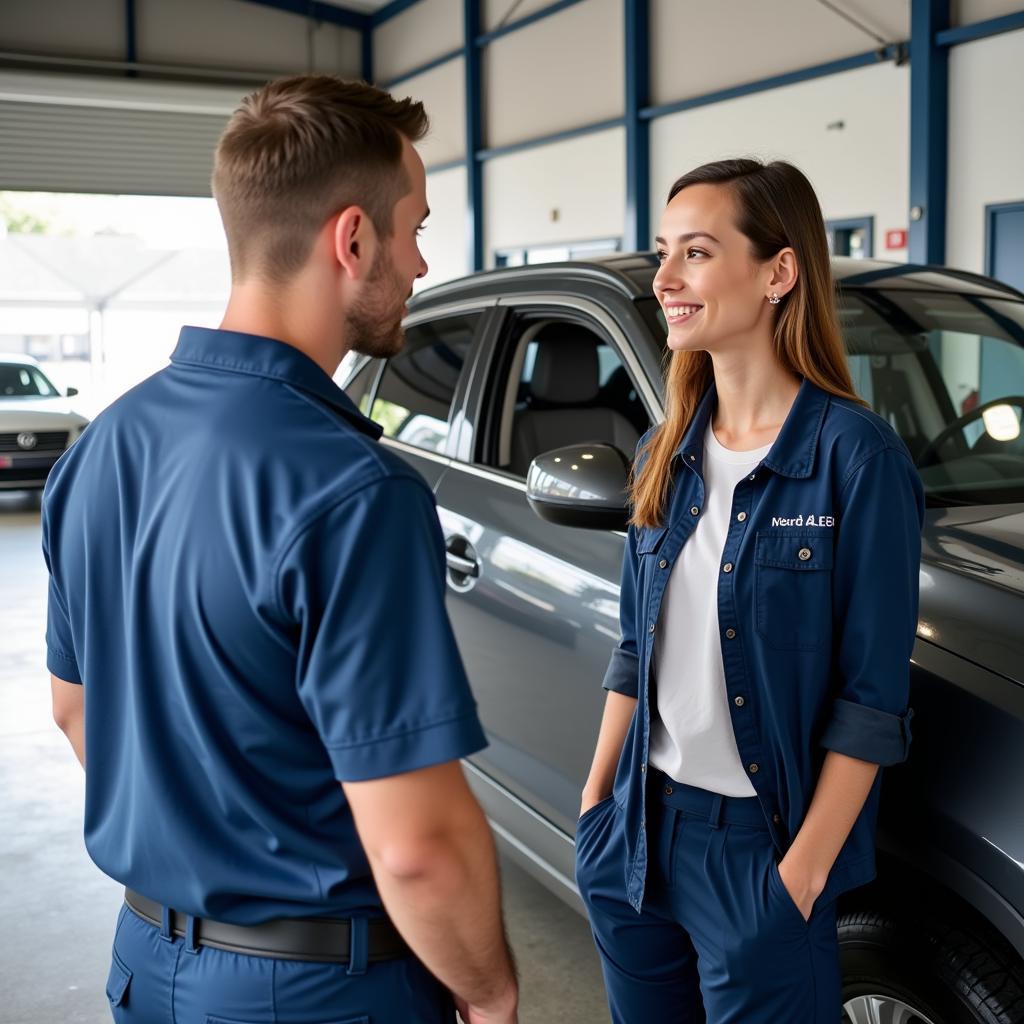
[[775, 300]]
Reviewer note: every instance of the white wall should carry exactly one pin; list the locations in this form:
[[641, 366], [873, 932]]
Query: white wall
[[861, 170], [583, 179], [422, 32], [443, 92], [204, 33], [986, 141], [699, 47], [561, 72], [444, 244]]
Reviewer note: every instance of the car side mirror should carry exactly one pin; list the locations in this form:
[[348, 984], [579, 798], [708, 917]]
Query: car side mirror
[[72, 392], [582, 485]]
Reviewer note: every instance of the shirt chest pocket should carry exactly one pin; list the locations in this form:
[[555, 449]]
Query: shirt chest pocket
[[793, 588]]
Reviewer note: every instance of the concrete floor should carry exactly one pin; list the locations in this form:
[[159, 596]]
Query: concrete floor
[[57, 910]]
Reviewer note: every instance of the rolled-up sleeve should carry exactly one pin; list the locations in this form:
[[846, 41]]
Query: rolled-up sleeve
[[379, 673], [623, 674], [875, 605]]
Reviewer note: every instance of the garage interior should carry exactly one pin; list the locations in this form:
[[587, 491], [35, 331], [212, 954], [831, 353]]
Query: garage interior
[[557, 128]]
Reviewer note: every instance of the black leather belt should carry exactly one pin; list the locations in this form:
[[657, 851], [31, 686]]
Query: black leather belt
[[316, 939]]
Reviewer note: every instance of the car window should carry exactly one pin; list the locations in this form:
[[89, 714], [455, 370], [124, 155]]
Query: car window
[[359, 386], [947, 372], [21, 381], [562, 383], [414, 398]]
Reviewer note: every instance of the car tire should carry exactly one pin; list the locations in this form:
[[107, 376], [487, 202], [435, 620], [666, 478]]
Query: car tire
[[946, 972]]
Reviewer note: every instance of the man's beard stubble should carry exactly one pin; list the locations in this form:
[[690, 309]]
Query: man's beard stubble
[[374, 324]]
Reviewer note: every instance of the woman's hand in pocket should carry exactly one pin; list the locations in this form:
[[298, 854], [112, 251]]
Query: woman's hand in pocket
[[802, 889], [590, 799]]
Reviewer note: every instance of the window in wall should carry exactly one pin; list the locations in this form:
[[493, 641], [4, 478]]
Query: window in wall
[[563, 384], [414, 399], [854, 238], [521, 256]]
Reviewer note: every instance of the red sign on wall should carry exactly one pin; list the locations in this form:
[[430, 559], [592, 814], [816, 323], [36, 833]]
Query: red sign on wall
[[896, 239]]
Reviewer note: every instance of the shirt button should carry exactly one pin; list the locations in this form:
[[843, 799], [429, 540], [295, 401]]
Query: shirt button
[[651, 628], [668, 791], [776, 818], [739, 702], [695, 511], [643, 767], [803, 554], [730, 634], [662, 564], [742, 517], [753, 476], [693, 458], [727, 567], [753, 769]]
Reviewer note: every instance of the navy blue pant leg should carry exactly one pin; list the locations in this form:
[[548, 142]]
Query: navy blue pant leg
[[648, 960], [719, 938], [155, 981]]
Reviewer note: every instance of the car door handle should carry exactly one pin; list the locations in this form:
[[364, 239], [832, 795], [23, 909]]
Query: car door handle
[[462, 565]]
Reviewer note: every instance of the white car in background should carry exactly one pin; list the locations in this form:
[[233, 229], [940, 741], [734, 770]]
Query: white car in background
[[37, 423]]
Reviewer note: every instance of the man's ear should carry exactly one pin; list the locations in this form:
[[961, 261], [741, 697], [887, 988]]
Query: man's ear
[[355, 242]]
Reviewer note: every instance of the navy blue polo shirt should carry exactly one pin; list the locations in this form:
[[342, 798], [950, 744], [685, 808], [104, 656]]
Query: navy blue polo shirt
[[251, 590], [817, 608]]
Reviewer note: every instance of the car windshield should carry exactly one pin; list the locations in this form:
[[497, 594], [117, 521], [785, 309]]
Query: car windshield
[[947, 372], [19, 380]]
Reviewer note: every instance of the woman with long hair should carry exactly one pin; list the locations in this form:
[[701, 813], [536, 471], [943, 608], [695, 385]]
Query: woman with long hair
[[768, 609]]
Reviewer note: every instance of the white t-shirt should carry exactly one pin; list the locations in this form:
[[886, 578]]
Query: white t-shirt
[[692, 740]]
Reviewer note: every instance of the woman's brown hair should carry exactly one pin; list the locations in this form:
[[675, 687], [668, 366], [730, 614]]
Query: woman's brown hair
[[776, 208]]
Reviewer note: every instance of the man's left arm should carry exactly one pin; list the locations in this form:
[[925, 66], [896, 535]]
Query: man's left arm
[[69, 713], [875, 605]]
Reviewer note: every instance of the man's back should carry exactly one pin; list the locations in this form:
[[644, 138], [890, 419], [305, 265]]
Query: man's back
[[215, 541]]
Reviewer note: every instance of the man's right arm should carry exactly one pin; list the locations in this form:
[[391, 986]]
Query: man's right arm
[[433, 859]]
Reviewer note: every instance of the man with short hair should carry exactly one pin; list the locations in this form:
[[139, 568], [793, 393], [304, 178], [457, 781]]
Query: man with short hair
[[246, 608]]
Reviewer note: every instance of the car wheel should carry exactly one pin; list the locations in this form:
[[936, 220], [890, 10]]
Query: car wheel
[[899, 969]]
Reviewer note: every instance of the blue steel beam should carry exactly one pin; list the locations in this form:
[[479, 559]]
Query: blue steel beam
[[896, 52], [474, 136], [929, 131], [421, 69], [318, 10], [638, 131], [391, 10], [980, 30], [527, 19], [544, 140], [367, 54], [130, 32]]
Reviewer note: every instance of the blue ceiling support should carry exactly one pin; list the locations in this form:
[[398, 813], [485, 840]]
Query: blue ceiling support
[[422, 69], [894, 51], [980, 30], [527, 19], [391, 10], [130, 33], [367, 54], [929, 131], [638, 131], [319, 11], [474, 135]]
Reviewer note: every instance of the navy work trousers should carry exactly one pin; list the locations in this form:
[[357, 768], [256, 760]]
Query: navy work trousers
[[719, 939], [157, 979]]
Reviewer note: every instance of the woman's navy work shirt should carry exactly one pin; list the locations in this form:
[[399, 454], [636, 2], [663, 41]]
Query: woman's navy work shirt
[[817, 610]]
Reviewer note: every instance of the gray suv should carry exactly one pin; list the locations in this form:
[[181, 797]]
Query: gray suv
[[514, 369]]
